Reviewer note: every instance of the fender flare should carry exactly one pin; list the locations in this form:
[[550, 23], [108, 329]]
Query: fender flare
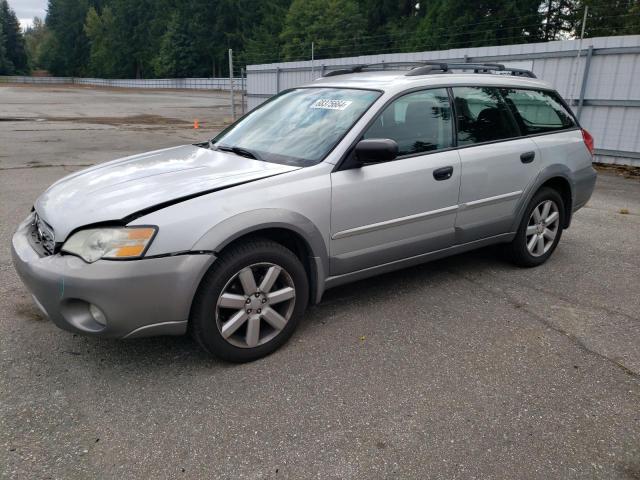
[[237, 226], [556, 170]]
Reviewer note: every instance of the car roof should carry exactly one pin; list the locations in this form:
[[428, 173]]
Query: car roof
[[398, 81]]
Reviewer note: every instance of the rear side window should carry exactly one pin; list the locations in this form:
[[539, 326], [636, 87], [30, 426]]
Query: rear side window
[[418, 122], [483, 115], [538, 111]]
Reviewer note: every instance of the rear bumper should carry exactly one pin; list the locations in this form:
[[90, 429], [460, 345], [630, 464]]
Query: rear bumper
[[138, 298]]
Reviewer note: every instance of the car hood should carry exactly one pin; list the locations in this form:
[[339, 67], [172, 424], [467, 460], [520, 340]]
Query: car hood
[[117, 189]]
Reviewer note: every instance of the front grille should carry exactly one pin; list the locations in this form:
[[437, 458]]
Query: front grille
[[42, 236]]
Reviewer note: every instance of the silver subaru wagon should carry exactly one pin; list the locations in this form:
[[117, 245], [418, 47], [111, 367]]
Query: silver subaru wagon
[[361, 172]]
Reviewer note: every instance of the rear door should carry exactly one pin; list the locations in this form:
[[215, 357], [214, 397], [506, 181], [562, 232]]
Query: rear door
[[497, 163], [384, 212], [542, 115]]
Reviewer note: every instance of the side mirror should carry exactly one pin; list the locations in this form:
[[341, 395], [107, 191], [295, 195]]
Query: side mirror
[[376, 150]]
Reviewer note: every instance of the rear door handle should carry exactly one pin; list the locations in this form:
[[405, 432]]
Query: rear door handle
[[443, 173], [527, 157]]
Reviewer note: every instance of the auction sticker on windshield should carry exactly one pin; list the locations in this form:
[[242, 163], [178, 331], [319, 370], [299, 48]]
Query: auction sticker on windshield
[[328, 104]]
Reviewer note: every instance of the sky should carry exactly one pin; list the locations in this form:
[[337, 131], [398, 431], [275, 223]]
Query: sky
[[27, 9]]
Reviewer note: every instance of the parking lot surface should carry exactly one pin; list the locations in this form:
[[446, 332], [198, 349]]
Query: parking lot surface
[[464, 368]]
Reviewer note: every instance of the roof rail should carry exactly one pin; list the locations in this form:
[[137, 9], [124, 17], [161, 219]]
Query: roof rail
[[443, 67], [370, 66], [427, 68]]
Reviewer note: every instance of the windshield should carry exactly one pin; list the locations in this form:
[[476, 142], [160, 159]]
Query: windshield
[[299, 127]]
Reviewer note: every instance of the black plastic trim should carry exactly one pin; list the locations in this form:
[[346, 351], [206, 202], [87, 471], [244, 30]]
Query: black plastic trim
[[454, 116]]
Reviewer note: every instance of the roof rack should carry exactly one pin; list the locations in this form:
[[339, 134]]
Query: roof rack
[[442, 67], [427, 68], [370, 66]]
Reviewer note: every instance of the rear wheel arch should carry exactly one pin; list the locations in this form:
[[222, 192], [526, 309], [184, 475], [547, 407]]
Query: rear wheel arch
[[561, 185], [558, 178]]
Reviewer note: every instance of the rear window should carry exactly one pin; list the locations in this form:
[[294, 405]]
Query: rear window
[[483, 116], [538, 111]]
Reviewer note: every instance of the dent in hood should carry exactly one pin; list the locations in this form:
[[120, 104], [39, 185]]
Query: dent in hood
[[114, 190]]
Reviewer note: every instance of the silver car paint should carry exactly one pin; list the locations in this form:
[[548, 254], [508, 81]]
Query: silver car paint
[[354, 222], [371, 223], [140, 298], [493, 182], [114, 190]]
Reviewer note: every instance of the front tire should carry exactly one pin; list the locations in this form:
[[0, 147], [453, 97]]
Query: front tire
[[540, 229], [250, 302]]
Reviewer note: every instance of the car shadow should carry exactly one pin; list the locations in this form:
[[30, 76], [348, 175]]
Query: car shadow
[[184, 353]]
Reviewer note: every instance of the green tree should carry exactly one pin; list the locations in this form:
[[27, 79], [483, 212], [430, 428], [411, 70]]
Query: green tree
[[558, 18], [6, 66], [262, 43], [391, 24], [470, 23], [335, 27], [68, 51], [13, 39], [563, 18], [633, 20], [101, 32], [380, 13], [611, 18], [146, 38], [140, 25], [178, 57], [35, 38]]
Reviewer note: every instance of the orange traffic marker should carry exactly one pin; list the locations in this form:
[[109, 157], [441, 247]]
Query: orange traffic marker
[[196, 125]]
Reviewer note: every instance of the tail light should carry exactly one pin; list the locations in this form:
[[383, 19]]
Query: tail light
[[588, 140]]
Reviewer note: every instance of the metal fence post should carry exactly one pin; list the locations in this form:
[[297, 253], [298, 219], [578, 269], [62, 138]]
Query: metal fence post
[[312, 60], [233, 103], [277, 79], [243, 83], [585, 79]]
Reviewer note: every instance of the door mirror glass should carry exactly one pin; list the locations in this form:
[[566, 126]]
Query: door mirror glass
[[376, 150]]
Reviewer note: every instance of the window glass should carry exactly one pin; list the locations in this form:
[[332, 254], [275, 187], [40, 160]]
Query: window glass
[[418, 122], [483, 116], [299, 127], [538, 111]]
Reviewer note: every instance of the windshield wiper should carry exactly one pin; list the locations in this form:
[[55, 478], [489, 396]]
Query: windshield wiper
[[243, 152]]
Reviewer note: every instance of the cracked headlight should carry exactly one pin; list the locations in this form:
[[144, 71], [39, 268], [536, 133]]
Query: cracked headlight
[[113, 243]]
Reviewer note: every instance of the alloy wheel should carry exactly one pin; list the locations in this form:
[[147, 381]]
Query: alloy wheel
[[542, 228], [255, 305]]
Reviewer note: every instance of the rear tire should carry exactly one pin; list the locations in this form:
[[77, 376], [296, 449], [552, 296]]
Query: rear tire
[[250, 301], [540, 229]]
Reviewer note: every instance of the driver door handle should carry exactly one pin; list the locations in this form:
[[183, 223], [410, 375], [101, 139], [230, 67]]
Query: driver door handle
[[443, 173]]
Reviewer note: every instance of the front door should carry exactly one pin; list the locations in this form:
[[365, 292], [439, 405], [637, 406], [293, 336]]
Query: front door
[[385, 212]]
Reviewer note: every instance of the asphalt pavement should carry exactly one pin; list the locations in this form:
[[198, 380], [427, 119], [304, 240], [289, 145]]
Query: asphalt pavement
[[464, 368]]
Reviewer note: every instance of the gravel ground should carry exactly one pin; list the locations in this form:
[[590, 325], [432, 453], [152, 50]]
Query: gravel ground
[[463, 368]]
